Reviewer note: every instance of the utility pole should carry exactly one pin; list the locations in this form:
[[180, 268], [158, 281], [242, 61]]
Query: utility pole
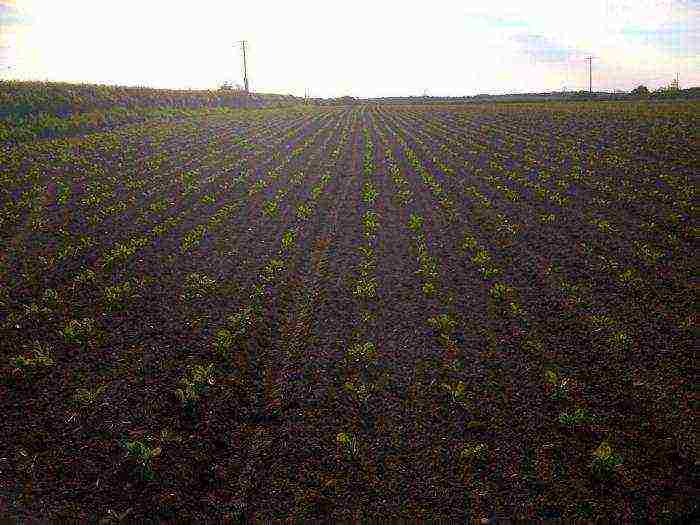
[[245, 68], [590, 74]]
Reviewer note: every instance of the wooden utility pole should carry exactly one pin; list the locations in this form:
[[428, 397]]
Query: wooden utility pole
[[590, 74], [245, 68]]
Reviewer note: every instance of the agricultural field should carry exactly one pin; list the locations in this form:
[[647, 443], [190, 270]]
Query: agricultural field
[[481, 312]]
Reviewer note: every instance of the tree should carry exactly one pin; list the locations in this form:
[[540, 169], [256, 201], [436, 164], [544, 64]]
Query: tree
[[640, 91]]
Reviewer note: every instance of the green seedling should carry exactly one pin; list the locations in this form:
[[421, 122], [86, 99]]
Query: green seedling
[[194, 386], [578, 417], [193, 238], [273, 268], [443, 323], [469, 242], [605, 461], [304, 211], [85, 397], [241, 323], [78, 331], [415, 222], [271, 208], [198, 286], [143, 455], [288, 239], [559, 385], [500, 291], [223, 343], [474, 452], [366, 287], [361, 391], [369, 192], [359, 352], [370, 222], [117, 296], [347, 441], [457, 392], [38, 356]]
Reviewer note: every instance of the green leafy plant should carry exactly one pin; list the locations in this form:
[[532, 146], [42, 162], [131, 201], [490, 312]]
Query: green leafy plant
[[361, 391], [271, 208], [84, 397], [194, 385], [359, 352], [443, 323], [366, 287], [578, 417], [38, 355], [499, 291], [159, 206], [241, 322], [474, 452], [51, 297], [116, 296], [605, 461], [198, 286], [63, 193], [559, 386], [415, 222], [371, 223], [78, 331], [143, 455], [369, 192], [347, 441], [273, 268], [192, 238], [304, 211], [288, 239], [457, 392], [223, 342]]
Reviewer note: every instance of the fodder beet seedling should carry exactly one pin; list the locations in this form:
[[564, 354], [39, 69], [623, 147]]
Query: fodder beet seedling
[[194, 386], [117, 296], [558, 386], [415, 222], [37, 356], [192, 238], [605, 461], [443, 323], [457, 392], [369, 192], [360, 352], [143, 455], [223, 342], [359, 390], [366, 287], [270, 208], [474, 453], [304, 211], [288, 239], [241, 322], [348, 442], [78, 331], [85, 398], [578, 417], [198, 286], [273, 268]]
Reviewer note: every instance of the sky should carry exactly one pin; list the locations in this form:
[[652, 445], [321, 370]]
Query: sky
[[361, 48]]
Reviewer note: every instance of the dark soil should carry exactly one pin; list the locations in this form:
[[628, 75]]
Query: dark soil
[[611, 310]]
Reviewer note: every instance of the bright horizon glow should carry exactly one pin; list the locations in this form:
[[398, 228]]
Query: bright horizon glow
[[362, 49]]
